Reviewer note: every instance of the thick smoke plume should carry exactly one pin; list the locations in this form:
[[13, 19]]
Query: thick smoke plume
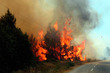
[[33, 15], [84, 19]]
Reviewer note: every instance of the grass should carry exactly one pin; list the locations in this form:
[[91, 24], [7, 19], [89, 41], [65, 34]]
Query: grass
[[48, 67], [54, 66]]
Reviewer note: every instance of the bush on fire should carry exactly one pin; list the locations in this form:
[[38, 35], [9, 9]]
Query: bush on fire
[[15, 52]]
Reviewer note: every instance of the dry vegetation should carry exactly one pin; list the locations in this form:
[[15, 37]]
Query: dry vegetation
[[48, 67], [54, 67]]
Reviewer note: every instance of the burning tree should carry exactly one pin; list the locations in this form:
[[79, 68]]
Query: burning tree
[[53, 43], [56, 44]]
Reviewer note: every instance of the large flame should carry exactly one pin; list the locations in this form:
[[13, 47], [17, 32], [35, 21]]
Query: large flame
[[41, 53], [64, 51]]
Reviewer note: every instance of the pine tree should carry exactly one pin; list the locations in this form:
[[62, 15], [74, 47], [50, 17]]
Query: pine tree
[[15, 52]]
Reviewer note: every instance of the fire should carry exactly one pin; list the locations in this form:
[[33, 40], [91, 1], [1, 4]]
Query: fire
[[41, 53], [78, 51], [62, 49], [41, 33], [66, 38], [56, 26]]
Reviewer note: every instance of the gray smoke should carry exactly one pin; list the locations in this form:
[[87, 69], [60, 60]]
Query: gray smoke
[[79, 10], [33, 15], [84, 19]]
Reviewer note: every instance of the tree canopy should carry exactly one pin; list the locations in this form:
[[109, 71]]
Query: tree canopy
[[15, 48]]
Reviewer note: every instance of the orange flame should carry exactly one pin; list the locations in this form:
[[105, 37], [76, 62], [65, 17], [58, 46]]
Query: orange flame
[[41, 53], [56, 26], [78, 51], [65, 50]]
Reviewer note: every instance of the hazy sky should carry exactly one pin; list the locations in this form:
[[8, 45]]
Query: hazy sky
[[102, 32]]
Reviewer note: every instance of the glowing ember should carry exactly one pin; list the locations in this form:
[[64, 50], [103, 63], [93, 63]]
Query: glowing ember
[[61, 50], [56, 26]]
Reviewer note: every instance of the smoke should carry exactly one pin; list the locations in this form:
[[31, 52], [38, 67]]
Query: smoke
[[31, 15], [80, 11], [84, 19], [100, 45], [34, 15]]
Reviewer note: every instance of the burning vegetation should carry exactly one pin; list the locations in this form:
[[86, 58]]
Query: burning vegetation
[[57, 44]]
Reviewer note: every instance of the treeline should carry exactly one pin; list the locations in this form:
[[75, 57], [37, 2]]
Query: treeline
[[15, 48], [52, 42]]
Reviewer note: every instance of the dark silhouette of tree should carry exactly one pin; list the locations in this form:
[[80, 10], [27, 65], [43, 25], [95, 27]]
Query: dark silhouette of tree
[[8, 19], [15, 52], [33, 42], [52, 41]]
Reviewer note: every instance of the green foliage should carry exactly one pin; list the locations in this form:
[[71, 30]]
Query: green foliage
[[15, 52]]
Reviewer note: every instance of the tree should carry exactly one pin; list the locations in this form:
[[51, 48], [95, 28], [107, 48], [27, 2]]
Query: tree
[[33, 42], [15, 52], [52, 41]]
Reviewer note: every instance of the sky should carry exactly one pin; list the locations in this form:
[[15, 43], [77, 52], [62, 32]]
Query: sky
[[102, 32]]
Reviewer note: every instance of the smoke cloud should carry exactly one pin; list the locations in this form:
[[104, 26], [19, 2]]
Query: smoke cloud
[[34, 15], [84, 19]]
